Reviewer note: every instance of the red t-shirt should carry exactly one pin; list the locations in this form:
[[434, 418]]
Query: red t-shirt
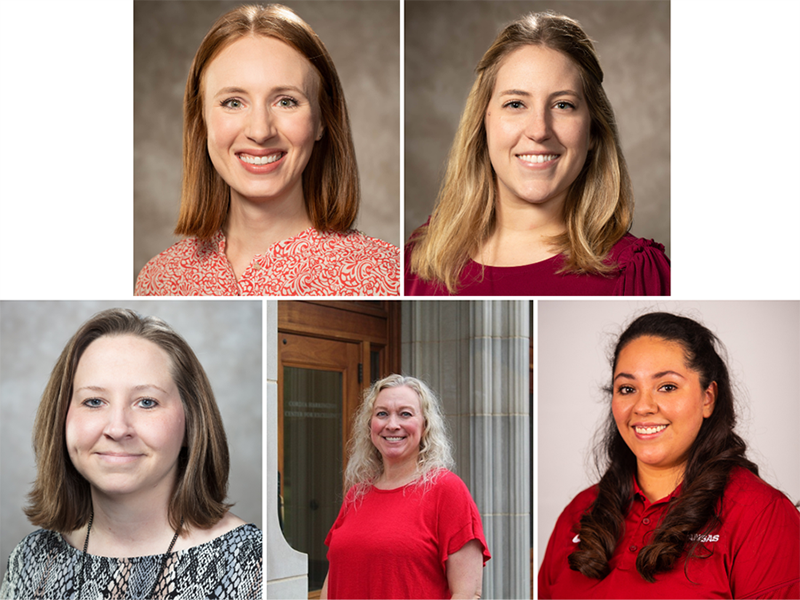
[[395, 543], [755, 551]]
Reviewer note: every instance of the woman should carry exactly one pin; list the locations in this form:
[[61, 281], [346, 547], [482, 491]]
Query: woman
[[680, 512], [536, 199], [408, 527], [270, 183], [132, 474]]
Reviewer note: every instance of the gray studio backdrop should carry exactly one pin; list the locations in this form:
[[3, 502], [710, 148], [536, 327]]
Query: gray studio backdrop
[[226, 337], [444, 42], [574, 342], [364, 40]]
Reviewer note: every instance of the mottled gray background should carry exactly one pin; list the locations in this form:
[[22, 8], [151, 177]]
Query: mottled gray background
[[364, 40], [444, 42], [224, 334]]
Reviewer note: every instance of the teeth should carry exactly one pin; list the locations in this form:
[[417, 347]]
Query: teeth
[[392, 439], [645, 430], [538, 158], [260, 160]]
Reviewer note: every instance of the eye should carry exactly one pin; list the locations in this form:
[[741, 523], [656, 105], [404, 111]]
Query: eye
[[564, 105], [406, 413], [381, 413], [625, 389], [668, 387], [147, 403], [92, 402], [287, 102], [231, 103], [515, 104]]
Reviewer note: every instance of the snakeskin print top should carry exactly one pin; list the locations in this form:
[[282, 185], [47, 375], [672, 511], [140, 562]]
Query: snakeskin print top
[[44, 565]]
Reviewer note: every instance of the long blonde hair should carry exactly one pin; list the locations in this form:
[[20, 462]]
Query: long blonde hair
[[599, 207], [365, 463]]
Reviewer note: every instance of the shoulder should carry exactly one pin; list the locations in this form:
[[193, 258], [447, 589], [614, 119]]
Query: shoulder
[[169, 266], [748, 491], [579, 504], [39, 540], [355, 243], [644, 267]]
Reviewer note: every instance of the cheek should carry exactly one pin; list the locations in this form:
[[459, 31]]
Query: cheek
[[222, 131]]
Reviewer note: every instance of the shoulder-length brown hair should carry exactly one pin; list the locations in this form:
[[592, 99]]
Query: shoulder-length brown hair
[[599, 207], [330, 180], [61, 498]]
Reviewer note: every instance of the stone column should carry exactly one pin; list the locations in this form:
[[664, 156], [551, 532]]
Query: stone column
[[287, 569], [475, 354]]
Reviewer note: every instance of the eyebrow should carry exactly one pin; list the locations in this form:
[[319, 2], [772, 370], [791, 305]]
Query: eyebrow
[[278, 90], [136, 388], [655, 376], [379, 407]]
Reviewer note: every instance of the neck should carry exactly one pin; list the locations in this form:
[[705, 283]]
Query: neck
[[523, 232], [397, 474], [658, 483], [254, 226], [127, 527]]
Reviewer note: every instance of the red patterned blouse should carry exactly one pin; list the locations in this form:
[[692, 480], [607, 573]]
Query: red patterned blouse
[[312, 263]]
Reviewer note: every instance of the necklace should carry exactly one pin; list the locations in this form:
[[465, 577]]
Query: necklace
[[160, 571]]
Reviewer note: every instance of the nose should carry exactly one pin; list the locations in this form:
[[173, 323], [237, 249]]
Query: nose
[[392, 422], [260, 124], [538, 127], [119, 425], [645, 403]]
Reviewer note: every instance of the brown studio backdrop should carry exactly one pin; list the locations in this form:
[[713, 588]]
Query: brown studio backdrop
[[444, 40], [364, 40]]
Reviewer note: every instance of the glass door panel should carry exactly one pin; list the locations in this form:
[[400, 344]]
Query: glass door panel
[[312, 484]]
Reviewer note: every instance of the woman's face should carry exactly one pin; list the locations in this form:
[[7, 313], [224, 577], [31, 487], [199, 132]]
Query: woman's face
[[537, 126], [658, 402], [125, 423], [397, 424], [260, 108]]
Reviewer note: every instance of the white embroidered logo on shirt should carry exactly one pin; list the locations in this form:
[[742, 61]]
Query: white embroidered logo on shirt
[[696, 537], [576, 539]]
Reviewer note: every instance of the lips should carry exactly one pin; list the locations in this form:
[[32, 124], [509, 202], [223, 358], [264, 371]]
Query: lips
[[648, 431], [393, 438], [261, 162], [118, 458], [537, 158]]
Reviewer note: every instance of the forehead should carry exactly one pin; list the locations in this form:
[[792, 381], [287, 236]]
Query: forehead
[[397, 396], [124, 359], [650, 353], [537, 69], [259, 63]]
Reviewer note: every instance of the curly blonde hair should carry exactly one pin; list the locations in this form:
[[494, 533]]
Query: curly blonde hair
[[365, 463]]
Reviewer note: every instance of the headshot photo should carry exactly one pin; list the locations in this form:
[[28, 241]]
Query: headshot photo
[[266, 152], [131, 449], [666, 449], [537, 156]]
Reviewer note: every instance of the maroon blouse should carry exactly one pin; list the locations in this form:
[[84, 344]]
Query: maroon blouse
[[642, 270]]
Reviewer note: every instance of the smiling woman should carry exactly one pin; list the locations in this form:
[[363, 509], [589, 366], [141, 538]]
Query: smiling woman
[[536, 199], [680, 511], [408, 527], [270, 183], [132, 475]]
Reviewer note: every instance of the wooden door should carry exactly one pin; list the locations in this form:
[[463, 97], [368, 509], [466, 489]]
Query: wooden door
[[318, 393]]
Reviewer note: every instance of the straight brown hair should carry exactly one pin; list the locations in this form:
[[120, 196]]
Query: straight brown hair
[[61, 498], [330, 180]]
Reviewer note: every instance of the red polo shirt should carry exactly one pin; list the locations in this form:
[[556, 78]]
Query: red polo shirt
[[755, 551]]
